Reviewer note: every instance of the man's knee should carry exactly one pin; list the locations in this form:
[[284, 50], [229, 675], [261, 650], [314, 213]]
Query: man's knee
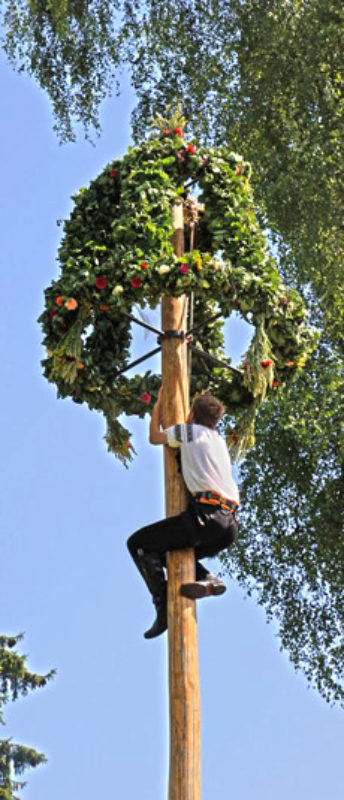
[[132, 547]]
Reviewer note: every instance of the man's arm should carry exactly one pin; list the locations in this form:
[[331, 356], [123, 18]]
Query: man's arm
[[156, 435]]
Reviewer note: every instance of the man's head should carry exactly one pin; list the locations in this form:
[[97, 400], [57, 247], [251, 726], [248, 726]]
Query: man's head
[[206, 410]]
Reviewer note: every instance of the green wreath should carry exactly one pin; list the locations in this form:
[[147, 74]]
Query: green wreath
[[117, 252]]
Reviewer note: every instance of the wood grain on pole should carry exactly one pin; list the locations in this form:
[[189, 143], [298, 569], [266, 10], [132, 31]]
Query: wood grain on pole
[[185, 766]]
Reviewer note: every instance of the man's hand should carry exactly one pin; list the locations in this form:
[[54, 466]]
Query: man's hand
[[157, 436]]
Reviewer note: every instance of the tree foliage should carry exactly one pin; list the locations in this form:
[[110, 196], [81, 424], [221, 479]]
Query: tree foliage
[[15, 681], [69, 47], [291, 548]]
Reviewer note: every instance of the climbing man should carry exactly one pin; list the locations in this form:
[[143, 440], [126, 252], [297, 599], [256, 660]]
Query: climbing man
[[208, 524]]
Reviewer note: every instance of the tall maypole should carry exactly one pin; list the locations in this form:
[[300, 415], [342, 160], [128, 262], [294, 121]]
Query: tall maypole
[[184, 695]]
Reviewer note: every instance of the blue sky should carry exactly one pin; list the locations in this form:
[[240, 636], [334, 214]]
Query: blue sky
[[66, 579]]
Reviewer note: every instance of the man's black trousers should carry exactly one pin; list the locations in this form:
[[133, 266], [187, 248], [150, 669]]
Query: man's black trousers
[[207, 528]]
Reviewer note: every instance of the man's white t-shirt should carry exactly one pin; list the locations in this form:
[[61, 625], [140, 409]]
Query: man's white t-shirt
[[206, 463]]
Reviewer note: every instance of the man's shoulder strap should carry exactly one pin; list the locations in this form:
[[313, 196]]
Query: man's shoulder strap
[[189, 432], [184, 432], [178, 433]]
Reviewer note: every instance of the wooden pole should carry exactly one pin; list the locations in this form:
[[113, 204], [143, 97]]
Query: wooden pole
[[184, 696]]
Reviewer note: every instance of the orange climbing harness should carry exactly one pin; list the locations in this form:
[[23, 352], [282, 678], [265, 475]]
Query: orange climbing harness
[[215, 499]]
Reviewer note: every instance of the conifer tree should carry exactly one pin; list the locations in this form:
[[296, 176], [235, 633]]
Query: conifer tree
[[16, 681]]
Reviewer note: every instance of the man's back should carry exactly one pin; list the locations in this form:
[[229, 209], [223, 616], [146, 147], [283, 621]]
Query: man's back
[[206, 464]]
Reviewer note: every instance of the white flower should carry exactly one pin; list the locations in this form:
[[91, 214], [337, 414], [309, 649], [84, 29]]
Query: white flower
[[164, 268], [236, 156], [117, 290]]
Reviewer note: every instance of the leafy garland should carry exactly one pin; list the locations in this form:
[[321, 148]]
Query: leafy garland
[[117, 252]]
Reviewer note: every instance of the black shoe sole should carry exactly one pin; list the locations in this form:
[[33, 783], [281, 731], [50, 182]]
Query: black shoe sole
[[195, 591], [149, 635], [155, 631]]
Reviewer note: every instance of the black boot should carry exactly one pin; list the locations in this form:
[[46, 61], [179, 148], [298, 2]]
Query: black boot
[[152, 572], [160, 624], [205, 584]]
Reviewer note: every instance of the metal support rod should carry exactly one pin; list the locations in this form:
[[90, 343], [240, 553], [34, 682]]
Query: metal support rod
[[138, 361], [204, 323], [191, 318], [159, 332], [145, 325], [215, 360], [191, 300], [167, 334]]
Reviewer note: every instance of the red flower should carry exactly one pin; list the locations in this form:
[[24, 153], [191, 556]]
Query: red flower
[[145, 397], [265, 363], [114, 173], [167, 131], [191, 149], [59, 300], [101, 282], [178, 131], [144, 265], [184, 269], [104, 308], [276, 383], [52, 313], [238, 169], [136, 282]]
